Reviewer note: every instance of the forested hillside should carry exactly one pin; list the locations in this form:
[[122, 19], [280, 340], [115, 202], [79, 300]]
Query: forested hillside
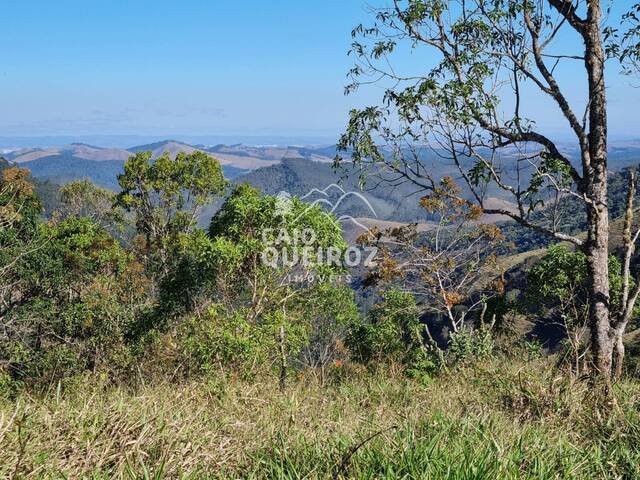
[[299, 177], [569, 215], [103, 165], [270, 168]]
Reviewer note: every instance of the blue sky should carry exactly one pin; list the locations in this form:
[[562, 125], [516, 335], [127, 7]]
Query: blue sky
[[154, 67], [162, 67]]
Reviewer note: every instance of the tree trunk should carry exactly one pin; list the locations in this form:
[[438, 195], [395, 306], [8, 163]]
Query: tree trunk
[[601, 340], [283, 360], [597, 251], [595, 177], [618, 355]]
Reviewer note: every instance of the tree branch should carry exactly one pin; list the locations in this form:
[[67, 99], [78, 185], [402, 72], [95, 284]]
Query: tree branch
[[554, 88], [568, 10]]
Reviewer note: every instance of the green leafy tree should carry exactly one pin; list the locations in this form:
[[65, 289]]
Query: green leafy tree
[[166, 195], [81, 198], [20, 211], [281, 243], [486, 57], [261, 258]]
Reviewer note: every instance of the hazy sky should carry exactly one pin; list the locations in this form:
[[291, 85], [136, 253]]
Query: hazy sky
[[253, 67]]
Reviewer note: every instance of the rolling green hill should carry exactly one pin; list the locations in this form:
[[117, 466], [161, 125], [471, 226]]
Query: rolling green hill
[[301, 177]]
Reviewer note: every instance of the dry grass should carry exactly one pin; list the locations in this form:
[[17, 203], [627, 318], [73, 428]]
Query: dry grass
[[237, 429]]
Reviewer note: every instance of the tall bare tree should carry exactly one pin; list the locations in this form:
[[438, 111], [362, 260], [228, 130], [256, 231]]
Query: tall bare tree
[[489, 61]]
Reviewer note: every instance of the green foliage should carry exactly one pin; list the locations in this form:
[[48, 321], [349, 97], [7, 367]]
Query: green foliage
[[391, 334], [227, 264], [560, 273], [394, 333], [79, 295], [560, 281], [20, 236], [558, 290], [166, 195], [622, 41], [192, 279], [222, 342], [253, 295], [532, 349], [81, 198], [255, 221], [632, 357], [329, 309], [20, 208], [471, 344], [46, 191]]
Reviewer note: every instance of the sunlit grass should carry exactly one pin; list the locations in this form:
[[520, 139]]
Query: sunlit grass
[[487, 421]]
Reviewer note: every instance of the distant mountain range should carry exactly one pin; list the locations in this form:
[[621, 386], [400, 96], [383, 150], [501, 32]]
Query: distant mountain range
[[296, 170], [102, 165]]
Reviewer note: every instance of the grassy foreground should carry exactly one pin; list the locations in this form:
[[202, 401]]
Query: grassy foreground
[[489, 421]]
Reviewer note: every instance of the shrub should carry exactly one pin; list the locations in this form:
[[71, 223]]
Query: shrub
[[471, 344], [392, 334], [558, 285], [79, 296], [224, 341]]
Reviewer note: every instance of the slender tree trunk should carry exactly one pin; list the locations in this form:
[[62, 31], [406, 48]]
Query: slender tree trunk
[[601, 338], [283, 360], [618, 355], [628, 296], [597, 250], [595, 166]]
